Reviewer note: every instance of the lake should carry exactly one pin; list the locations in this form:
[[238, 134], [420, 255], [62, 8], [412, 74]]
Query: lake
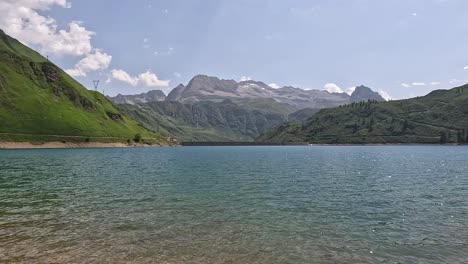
[[297, 204]]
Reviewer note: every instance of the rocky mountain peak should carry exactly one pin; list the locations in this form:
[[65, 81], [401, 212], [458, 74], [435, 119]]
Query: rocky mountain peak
[[363, 93], [208, 83], [176, 93]]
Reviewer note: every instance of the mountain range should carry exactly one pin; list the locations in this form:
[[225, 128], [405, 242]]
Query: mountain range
[[151, 96], [207, 88], [213, 109]]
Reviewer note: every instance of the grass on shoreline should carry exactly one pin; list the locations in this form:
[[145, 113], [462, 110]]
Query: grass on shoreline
[[39, 139]]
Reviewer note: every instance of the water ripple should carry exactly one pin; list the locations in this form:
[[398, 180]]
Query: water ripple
[[235, 205]]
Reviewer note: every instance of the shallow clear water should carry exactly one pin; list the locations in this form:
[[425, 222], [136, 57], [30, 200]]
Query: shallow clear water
[[235, 205]]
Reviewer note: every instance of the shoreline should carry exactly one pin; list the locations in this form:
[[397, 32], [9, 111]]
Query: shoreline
[[84, 145], [71, 145], [390, 144]]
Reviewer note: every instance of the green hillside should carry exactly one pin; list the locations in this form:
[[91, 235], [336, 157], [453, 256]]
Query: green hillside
[[303, 114], [204, 121], [439, 117], [40, 102]]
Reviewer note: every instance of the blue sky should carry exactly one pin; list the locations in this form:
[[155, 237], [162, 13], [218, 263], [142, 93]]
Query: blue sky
[[401, 47]]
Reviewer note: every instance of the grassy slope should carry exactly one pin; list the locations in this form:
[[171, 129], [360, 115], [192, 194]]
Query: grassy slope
[[40, 102], [303, 114], [267, 105], [173, 125], [204, 121], [12, 45], [439, 117]]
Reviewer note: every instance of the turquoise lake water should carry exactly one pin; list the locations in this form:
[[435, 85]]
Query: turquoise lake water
[[370, 204]]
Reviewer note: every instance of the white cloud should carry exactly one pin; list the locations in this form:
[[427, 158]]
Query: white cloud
[[414, 14], [465, 68], [274, 85], [147, 79], [452, 81], [332, 88], [21, 19], [39, 4], [76, 41], [95, 61], [177, 74], [245, 78], [419, 84], [385, 95], [24, 20], [351, 90], [150, 79], [123, 76]]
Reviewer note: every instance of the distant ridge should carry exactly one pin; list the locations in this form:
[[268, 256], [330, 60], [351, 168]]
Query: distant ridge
[[207, 88], [148, 97], [437, 118]]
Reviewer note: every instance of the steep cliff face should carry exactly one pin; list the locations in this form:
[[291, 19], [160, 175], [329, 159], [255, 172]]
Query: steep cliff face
[[204, 121]]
